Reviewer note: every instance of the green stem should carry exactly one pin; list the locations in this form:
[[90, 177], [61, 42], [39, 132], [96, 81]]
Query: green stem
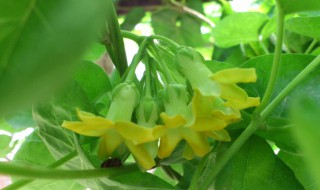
[[148, 78], [23, 182], [132, 36], [165, 40], [248, 132], [58, 174], [171, 172], [284, 93], [311, 46], [136, 59], [276, 62], [263, 46], [165, 70], [116, 39], [193, 13]]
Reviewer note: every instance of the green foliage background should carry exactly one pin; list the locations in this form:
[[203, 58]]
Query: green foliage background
[[48, 51]]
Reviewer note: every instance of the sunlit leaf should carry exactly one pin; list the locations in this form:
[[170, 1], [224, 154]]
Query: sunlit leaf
[[306, 26], [235, 29]]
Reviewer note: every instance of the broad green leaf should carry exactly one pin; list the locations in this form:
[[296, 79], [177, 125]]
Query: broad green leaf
[[177, 26], [293, 6], [29, 154], [306, 26], [216, 66], [40, 43], [290, 66], [296, 42], [233, 55], [298, 165], [50, 116], [20, 119], [143, 181], [93, 80], [53, 185], [239, 28], [254, 166], [279, 131], [133, 17], [5, 126], [30, 150], [269, 28], [305, 114], [4, 145], [95, 52]]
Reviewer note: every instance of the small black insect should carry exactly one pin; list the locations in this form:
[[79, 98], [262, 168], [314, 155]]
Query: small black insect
[[111, 162]]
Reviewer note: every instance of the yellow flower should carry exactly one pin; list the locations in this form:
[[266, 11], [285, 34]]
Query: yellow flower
[[176, 132], [236, 96], [175, 99], [117, 128]]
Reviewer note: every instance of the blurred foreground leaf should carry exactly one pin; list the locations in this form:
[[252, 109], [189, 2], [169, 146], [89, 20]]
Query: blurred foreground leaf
[[305, 114], [40, 42]]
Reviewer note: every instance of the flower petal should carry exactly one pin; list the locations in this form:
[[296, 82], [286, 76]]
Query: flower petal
[[197, 141], [173, 121], [134, 132], [109, 142], [233, 92], [94, 129], [235, 75], [141, 155], [169, 142], [221, 135], [251, 102], [207, 124]]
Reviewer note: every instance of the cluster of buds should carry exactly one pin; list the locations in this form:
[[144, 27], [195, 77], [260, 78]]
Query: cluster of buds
[[152, 122]]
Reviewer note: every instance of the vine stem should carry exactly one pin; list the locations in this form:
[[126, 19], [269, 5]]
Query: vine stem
[[301, 76], [23, 182], [165, 40], [247, 133], [136, 59], [311, 46], [276, 61], [116, 39], [193, 13], [46, 173]]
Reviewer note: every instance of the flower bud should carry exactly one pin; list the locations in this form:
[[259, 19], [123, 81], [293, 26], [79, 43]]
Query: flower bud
[[190, 64], [124, 99]]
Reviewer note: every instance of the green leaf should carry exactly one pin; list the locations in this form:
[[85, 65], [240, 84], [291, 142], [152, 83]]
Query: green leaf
[[95, 52], [269, 28], [290, 66], [29, 154], [295, 42], [20, 119], [30, 150], [4, 145], [233, 55], [298, 165], [254, 166], [53, 185], [234, 29], [40, 43], [292, 6], [177, 26], [133, 17], [306, 26], [50, 116], [93, 80], [305, 114], [139, 180]]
